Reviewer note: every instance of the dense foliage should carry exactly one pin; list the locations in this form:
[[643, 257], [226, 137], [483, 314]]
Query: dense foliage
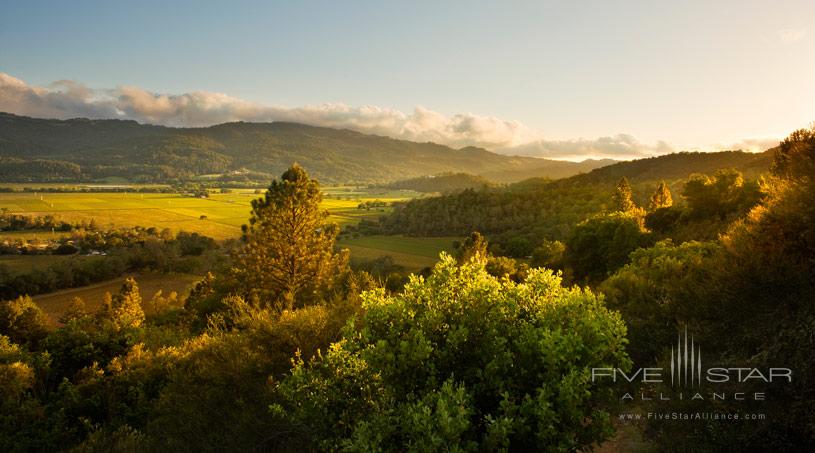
[[601, 245], [750, 295], [520, 217], [463, 361], [443, 183]]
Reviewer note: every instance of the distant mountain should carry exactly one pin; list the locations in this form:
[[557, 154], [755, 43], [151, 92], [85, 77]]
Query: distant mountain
[[80, 149]]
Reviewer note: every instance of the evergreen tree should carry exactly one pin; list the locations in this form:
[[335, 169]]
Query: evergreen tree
[[474, 246], [287, 258], [76, 310], [661, 198], [124, 309], [622, 196]]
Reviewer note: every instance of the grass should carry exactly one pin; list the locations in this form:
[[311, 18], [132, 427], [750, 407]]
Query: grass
[[73, 186], [413, 253], [220, 216], [54, 304]]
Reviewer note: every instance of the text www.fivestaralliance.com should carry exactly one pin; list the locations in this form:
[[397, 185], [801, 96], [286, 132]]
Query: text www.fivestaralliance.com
[[692, 416]]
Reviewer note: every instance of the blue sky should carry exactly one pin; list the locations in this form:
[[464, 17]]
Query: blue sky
[[691, 74]]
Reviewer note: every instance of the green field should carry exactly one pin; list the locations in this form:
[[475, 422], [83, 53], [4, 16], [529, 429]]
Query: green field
[[223, 214], [413, 253]]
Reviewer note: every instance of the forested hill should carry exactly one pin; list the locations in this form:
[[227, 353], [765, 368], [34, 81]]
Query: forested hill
[[523, 214], [681, 165], [81, 149]]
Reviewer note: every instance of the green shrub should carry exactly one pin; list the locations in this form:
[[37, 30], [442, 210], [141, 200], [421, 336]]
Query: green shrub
[[463, 361]]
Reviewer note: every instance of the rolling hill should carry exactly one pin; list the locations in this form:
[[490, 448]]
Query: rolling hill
[[526, 212], [669, 168], [34, 149]]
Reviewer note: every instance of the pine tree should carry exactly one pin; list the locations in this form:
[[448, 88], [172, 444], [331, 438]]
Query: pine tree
[[76, 310], [622, 196], [661, 198], [287, 258], [124, 309]]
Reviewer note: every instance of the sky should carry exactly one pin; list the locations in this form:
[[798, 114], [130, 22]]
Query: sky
[[560, 79]]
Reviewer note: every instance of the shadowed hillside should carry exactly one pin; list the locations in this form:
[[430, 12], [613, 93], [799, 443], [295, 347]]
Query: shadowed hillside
[[81, 149]]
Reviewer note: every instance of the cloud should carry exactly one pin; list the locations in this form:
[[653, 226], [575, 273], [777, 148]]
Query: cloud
[[757, 144], [625, 147], [620, 146], [790, 35], [69, 99]]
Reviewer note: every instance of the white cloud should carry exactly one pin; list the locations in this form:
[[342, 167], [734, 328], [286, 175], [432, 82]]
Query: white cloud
[[69, 99], [620, 146], [756, 144], [790, 35]]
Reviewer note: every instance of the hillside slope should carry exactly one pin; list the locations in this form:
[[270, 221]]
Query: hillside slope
[[43, 149], [529, 211]]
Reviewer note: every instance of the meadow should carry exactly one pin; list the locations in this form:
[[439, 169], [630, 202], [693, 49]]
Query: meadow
[[220, 216], [414, 253]]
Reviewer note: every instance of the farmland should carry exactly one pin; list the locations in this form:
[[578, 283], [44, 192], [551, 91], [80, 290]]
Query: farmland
[[220, 216], [413, 253]]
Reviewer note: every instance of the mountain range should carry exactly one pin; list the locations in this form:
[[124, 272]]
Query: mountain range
[[33, 149]]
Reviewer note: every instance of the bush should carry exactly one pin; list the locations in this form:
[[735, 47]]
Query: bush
[[463, 361]]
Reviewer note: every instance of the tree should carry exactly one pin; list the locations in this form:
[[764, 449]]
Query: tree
[[721, 195], [474, 247], [661, 198], [287, 258], [463, 361], [601, 245], [549, 254], [23, 321], [660, 285], [124, 309], [501, 266], [622, 196], [796, 155], [76, 310]]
